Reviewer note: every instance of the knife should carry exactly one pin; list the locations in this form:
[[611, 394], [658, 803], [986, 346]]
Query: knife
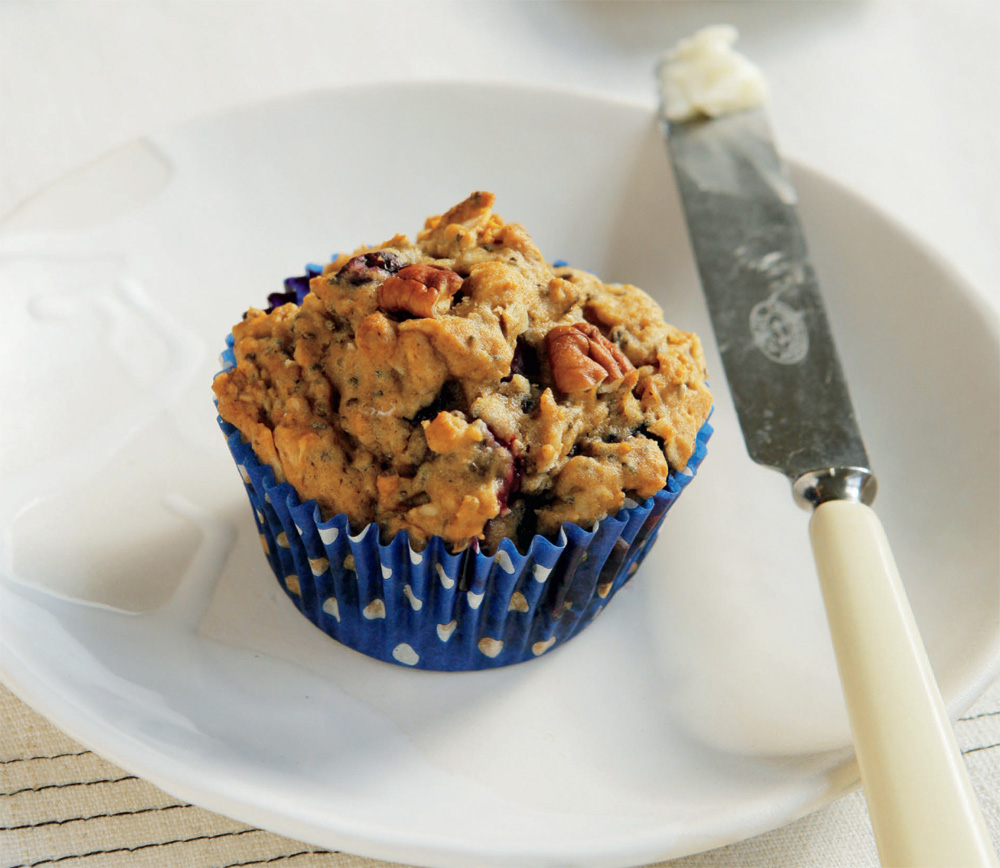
[[796, 415]]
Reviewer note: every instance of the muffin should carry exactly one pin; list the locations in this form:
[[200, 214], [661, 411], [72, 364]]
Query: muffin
[[457, 452]]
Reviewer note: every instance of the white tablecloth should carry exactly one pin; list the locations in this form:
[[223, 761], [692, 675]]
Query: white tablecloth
[[897, 100]]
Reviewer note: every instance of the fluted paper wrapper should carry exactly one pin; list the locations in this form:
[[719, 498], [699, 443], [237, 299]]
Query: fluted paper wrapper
[[436, 610]]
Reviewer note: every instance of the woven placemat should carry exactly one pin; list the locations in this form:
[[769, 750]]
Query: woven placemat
[[61, 804]]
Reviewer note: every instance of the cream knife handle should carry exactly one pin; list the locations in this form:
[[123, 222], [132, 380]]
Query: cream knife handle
[[923, 808]]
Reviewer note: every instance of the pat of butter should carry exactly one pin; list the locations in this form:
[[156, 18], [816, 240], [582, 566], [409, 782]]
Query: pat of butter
[[703, 75]]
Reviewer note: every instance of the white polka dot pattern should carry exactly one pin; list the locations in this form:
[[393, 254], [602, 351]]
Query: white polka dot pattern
[[405, 654], [541, 647], [504, 562], [375, 609], [490, 647], [415, 604], [447, 581], [331, 608], [518, 603]]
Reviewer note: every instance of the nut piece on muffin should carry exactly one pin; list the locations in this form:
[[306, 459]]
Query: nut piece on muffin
[[463, 387]]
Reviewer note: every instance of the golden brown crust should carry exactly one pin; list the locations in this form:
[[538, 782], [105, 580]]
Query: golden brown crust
[[461, 386]]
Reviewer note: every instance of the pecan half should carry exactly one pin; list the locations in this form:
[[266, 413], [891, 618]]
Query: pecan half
[[417, 289], [581, 357]]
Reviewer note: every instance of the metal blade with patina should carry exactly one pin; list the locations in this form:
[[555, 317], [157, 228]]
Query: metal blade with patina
[[763, 297]]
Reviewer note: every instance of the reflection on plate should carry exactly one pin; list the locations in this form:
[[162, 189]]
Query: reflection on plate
[[138, 614]]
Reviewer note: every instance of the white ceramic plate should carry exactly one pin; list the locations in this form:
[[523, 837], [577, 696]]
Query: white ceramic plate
[[703, 707]]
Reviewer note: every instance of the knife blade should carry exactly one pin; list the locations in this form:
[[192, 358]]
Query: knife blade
[[796, 416], [773, 334]]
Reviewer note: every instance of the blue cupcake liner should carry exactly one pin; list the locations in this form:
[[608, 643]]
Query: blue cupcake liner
[[437, 610]]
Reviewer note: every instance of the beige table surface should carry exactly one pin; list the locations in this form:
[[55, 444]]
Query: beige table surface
[[61, 804]]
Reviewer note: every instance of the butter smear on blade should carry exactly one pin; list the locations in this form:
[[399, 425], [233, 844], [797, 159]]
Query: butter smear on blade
[[703, 75]]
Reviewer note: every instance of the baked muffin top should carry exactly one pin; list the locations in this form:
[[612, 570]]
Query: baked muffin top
[[461, 386]]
